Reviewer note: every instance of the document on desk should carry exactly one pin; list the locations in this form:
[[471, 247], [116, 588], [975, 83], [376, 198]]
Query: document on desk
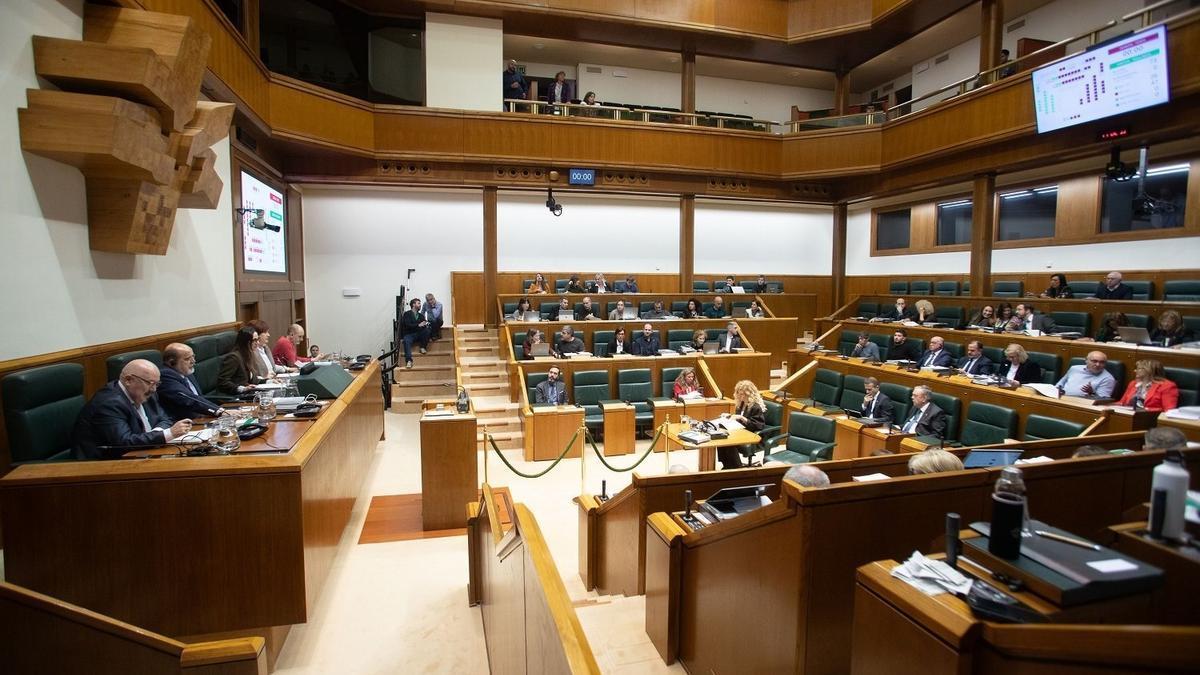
[[1047, 390], [728, 423], [931, 577]]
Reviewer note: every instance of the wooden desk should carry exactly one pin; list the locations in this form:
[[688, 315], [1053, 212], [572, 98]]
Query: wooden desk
[[619, 432], [553, 427], [855, 439], [708, 451], [197, 545], [449, 465], [666, 410], [1190, 428], [1175, 602]]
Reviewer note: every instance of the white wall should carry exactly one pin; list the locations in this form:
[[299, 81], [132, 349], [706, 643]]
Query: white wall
[[595, 233], [634, 85], [547, 70], [463, 62], [744, 238], [58, 293], [929, 76], [368, 239]]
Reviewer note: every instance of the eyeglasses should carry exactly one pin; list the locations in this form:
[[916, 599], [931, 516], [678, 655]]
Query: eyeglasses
[[149, 383]]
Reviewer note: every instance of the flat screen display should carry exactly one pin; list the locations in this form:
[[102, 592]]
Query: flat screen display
[[1119, 76], [264, 248]]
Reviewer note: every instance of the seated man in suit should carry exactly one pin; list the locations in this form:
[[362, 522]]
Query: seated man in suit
[[900, 312], [178, 391], [657, 313], [564, 305], [729, 284], [568, 343], [717, 310], [1026, 318], [586, 312], [1090, 380], [552, 390], [730, 339], [865, 349], [903, 349], [975, 363], [876, 404], [646, 344], [1113, 289], [618, 312], [125, 414], [935, 356], [926, 418]]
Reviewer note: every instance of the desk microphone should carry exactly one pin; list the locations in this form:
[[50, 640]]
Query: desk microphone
[[687, 503], [209, 408], [952, 542], [603, 490]]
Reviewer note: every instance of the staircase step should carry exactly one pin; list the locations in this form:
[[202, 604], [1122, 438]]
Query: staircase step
[[423, 389], [506, 440], [486, 388], [484, 376], [477, 362], [421, 372], [496, 424]]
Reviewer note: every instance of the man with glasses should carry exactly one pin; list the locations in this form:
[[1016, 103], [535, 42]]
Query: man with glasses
[[1090, 380], [124, 415], [1113, 289], [179, 391]]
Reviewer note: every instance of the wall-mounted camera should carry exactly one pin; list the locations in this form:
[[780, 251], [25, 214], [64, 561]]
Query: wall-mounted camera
[[554, 206]]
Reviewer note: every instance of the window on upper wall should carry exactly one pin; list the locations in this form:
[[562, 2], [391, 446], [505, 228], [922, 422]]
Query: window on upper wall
[[954, 222], [893, 229], [1027, 213], [1160, 207]]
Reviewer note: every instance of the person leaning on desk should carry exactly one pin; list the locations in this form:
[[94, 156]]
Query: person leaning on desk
[[124, 415], [901, 348], [865, 349], [575, 285], [533, 337], [685, 384], [694, 309], [585, 311], [877, 404], [730, 339], [568, 343], [751, 412], [618, 312], [699, 338], [658, 312]]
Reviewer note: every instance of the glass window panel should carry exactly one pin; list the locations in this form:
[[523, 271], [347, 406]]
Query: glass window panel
[[1162, 207], [1028, 214], [892, 229], [954, 222]]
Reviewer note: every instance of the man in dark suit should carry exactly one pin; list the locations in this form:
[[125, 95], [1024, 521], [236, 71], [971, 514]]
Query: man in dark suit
[[1025, 318], [876, 404], [903, 349], [645, 344], [975, 363], [730, 339], [585, 311], [178, 391], [552, 390], [926, 418], [1113, 289], [559, 91], [936, 356], [900, 312], [124, 414]]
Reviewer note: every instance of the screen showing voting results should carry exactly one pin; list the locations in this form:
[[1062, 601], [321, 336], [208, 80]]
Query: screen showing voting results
[[1117, 77], [263, 246]]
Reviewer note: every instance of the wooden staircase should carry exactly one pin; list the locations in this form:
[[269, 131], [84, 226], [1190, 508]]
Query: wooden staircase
[[485, 376], [432, 375]]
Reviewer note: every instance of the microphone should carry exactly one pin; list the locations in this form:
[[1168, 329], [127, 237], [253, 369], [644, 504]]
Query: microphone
[[952, 543], [209, 408], [603, 490]]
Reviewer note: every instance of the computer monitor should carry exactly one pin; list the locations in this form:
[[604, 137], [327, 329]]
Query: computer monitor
[[566, 315], [629, 314], [531, 315], [977, 459], [1134, 334], [711, 347]]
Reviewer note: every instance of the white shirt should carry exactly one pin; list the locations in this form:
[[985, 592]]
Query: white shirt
[[141, 413], [911, 425]]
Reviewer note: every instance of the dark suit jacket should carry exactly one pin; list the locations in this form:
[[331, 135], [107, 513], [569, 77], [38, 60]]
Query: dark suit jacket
[[932, 422], [643, 346], [567, 95], [544, 393], [723, 338], [626, 346], [909, 314], [883, 410], [1026, 372], [109, 419], [982, 366], [1040, 322], [235, 372], [177, 399], [1121, 292], [756, 417], [905, 350], [581, 314], [943, 359]]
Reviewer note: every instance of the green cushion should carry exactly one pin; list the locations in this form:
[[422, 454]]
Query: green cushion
[[669, 375], [827, 387], [853, 392], [1139, 320], [954, 349], [114, 364], [1142, 290], [1181, 290], [633, 375], [949, 315], [532, 380], [953, 408], [987, 423], [591, 377], [675, 335], [225, 341], [945, 288], [901, 399], [509, 308], [995, 355], [867, 310], [208, 361], [1008, 289], [635, 392], [1040, 427], [920, 288], [1188, 381], [896, 287], [40, 407], [1084, 289], [1049, 364], [1078, 322], [678, 306], [701, 286]]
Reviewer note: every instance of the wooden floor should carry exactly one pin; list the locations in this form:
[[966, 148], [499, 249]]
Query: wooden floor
[[398, 518]]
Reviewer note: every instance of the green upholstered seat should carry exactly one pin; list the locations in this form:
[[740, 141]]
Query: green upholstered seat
[[920, 288], [115, 363], [1077, 322], [1142, 290], [827, 388], [1188, 381], [1116, 368], [1193, 323], [1049, 364], [669, 375], [525, 284], [518, 343], [719, 286], [620, 286], [772, 287], [847, 341], [701, 286], [751, 286], [867, 310], [987, 423], [995, 355], [549, 311], [810, 438], [1181, 290], [1041, 427], [1139, 320], [40, 407], [679, 306], [853, 392], [897, 287], [509, 308], [532, 380], [881, 341], [560, 285], [774, 418], [677, 338], [591, 387], [953, 408], [208, 365], [945, 288], [634, 386], [644, 307], [1084, 289], [1008, 289], [966, 288], [225, 341], [954, 349], [951, 316], [901, 399], [713, 333]]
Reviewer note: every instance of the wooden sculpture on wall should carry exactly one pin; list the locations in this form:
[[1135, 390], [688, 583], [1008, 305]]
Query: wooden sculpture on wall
[[128, 117]]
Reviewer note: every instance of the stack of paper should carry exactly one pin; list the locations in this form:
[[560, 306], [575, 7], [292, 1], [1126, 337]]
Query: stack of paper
[[931, 577]]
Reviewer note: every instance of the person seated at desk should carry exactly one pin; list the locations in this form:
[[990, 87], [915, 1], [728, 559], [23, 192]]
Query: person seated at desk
[[1150, 389], [1017, 368], [585, 312], [618, 312], [903, 349], [936, 356], [729, 284], [1171, 330], [749, 411], [899, 312], [933, 460], [124, 415], [694, 309], [877, 404], [1026, 318], [568, 343], [730, 339], [522, 307], [1113, 289], [178, 391], [762, 284], [599, 285], [235, 376], [1004, 314], [631, 285], [646, 344], [984, 318], [807, 475], [539, 285], [926, 418], [575, 285], [685, 384], [1108, 327], [314, 352], [263, 365], [564, 305], [658, 312], [754, 311], [284, 352], [1089, 451], [699, 337], [1058, 287], [619, 344], [865, 349], [717, 309], [925, 311], [533, 337], [416, 329], [552, 389], [1089, 380], [975, 363]]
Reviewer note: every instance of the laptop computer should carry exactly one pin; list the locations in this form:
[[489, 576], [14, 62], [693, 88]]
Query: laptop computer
[[732, 502], [737, 290], [531, 315], [566, 315], [983, 458], [1134, 334], [711, 347], [629, 314], [540, 349]]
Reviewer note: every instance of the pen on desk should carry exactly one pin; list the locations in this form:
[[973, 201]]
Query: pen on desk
[[1067, 540]]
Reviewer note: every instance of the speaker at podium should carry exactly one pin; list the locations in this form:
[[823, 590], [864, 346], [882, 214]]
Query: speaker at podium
[[323, 381]]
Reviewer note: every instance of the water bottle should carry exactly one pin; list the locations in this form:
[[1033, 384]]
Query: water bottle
[[1008, 514], [266, 406], [1166, 514]]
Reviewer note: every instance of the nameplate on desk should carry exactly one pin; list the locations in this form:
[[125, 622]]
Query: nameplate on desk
[[445, 412]]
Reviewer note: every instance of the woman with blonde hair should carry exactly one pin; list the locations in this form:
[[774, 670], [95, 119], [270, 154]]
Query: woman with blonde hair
[[686, 383], [1150, 389], [1017, 367], [751, 413], [698, 339], [1172, 330], [933, 461], [925, 311]]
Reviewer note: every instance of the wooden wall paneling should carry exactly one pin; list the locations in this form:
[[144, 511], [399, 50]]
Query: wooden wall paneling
[[991, 33], [702, 12], [275, 308], [838, 295], [982, 233], [687, 242], [491, 316], [320, 116], [403, 132], [760, 17], [467, 297], [295, 244], [1078, 214], [923, 232], [814, 18], [816, 154], [625, 8]]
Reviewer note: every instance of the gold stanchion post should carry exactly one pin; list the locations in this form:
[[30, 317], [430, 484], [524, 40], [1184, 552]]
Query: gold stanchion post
[[666, 442], [487, 441], [582, 458]]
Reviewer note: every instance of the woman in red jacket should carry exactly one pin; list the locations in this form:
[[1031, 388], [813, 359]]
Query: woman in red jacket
[[1150, 388]]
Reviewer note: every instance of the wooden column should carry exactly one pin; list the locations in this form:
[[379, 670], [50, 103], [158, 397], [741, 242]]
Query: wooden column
[[687, 98], [841, 93], [839, 255], [984, 209], [687, 242], [489, 256], [991, 33]]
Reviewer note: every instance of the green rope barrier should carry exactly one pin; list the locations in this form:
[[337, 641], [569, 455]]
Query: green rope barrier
[[610, 467], [535, 475]]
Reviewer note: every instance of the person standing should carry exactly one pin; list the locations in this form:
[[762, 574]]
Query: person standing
[[514, 82], [559, 90]]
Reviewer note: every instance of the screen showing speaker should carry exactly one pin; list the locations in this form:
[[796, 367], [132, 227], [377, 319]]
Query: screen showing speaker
[[264, 245]]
